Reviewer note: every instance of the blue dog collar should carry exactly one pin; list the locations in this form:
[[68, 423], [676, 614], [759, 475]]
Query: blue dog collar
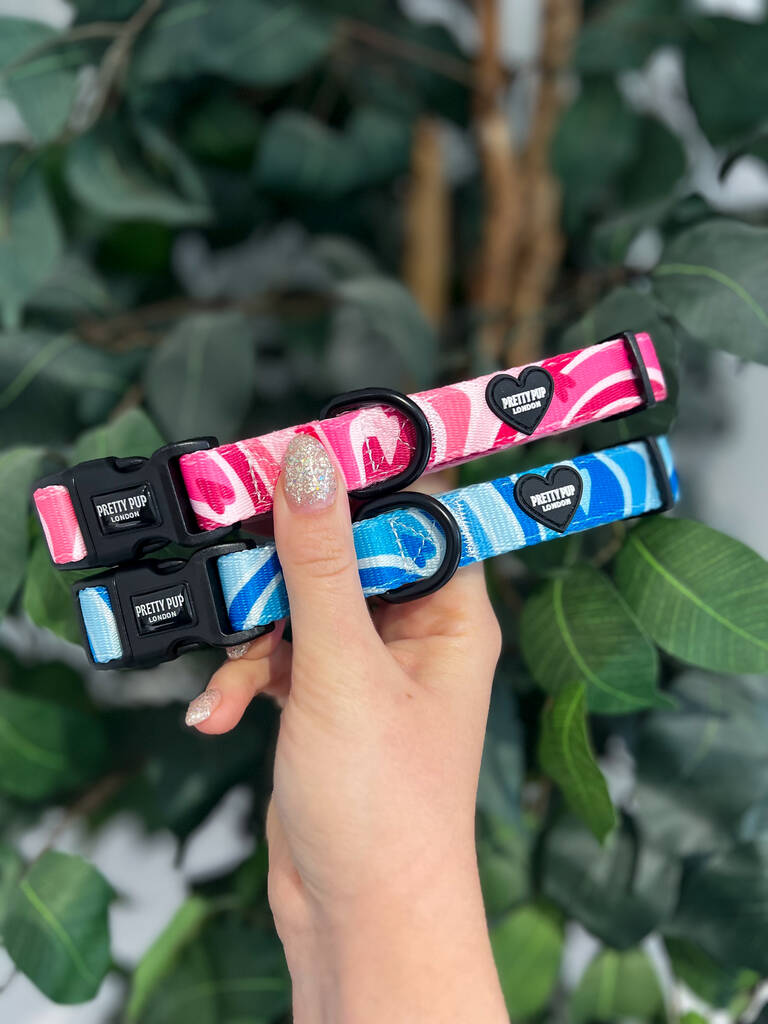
[[227, 594]]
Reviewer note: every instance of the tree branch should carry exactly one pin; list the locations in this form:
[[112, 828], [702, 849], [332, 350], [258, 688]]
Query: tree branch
[[379, 39]]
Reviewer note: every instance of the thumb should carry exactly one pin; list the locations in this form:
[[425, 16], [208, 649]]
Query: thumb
[[313, 535]]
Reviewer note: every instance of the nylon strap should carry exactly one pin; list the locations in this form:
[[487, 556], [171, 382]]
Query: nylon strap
[[405, 545]]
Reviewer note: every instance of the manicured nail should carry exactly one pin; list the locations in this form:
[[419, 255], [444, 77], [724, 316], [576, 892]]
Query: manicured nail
[[233, 653], [308, 475], [202, 707]]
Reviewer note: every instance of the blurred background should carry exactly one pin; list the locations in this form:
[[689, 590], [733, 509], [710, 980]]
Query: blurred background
[[216, 215]]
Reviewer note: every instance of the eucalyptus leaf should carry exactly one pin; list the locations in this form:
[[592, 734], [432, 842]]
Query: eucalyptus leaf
[[76, 386], [528, 945], [30, 243], [43, 89], [202, 378], [46, 748], [376, 317], [299, 155], [108, 179], [617, 986], [618, 37], [577, 629], [131, 433], [735, 884], [19, 468], [702, 596], [619, 891], [258, 42], [724, 60], [566, 756], [711, 278], [19, 36], [56, 928]]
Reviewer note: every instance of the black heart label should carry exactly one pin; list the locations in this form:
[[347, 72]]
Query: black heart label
[[521, 401], [551, 500]]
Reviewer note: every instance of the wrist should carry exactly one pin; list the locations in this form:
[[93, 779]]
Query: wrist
[[389, 955]]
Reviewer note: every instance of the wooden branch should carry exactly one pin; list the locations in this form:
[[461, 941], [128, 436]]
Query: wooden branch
[[541, 243], [426, 263], [501, 174], [426, 57]]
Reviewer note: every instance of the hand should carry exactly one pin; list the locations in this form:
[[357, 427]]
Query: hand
[[373, 876]]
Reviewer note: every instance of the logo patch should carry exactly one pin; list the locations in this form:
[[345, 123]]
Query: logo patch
[[551, 500], [163, 609], [126, 510], [521, 401]]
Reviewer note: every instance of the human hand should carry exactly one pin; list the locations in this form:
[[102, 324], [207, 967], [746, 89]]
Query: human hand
[[373, 876]]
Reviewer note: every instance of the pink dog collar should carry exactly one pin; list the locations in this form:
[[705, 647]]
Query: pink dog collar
[[108, 511]]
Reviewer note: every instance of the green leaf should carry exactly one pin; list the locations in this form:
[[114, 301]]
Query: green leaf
[[566, 756], [56, 929], [502, 771], [587, 159], [258, 42], [109, 179], [41, 82], [11, 870], [711, 278], [702, 596], [19, 469], [724, 906], [627, 309], [620, 891], [234, 971], [702, 769], [201, 379], [47, 597], [528, 946], [623, 36], [577, 629], [716, 985], [377, 318], [693, 1018], [164, 952], [30, 243], [301, 156], [504, 862], [648, 180], [131, 433], [76, 386], [724, 61], [74, 287], [45, 747], [616, 986]]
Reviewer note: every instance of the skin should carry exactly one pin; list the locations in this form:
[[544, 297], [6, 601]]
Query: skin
[[373, 876]]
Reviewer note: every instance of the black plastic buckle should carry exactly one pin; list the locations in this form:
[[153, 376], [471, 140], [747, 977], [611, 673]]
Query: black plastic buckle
[[404, 404], [446, 522], [640, 368], [164, 608], [664, 484], [128, 507]]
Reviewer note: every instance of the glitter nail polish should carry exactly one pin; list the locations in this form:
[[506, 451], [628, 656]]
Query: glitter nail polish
[[308, 475], [202, 707], [238, 651]]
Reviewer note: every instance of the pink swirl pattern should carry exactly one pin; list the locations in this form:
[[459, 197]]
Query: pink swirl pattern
[[236, 482], [60, 526]]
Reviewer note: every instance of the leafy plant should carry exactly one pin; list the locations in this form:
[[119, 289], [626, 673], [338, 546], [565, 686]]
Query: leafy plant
[[220, 212]]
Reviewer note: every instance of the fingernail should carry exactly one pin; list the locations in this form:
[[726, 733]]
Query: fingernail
[[308, 475], [233, 653], [202, 707]]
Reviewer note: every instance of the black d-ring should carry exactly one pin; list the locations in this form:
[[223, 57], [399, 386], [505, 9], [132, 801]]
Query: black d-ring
[[405, 405], [444, 519]]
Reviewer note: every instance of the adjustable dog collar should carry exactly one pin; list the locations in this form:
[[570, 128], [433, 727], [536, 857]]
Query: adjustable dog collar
[[113, 510], [407, 545]]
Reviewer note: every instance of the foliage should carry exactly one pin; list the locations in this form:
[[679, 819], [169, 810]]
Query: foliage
[[201, 232]]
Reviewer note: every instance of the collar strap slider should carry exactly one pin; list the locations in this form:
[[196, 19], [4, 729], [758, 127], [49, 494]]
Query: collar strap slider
[[112, 510], [149, 612]]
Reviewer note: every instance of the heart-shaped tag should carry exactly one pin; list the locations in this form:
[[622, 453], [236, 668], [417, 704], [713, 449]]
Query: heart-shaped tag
[[521, 401], [551, 500]]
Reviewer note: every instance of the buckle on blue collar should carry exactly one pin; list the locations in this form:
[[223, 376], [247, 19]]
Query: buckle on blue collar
[[129, 507], [152, 611]]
